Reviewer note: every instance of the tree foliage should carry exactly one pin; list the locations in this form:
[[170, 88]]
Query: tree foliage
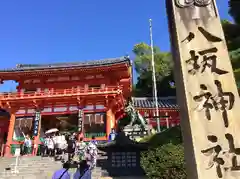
[[143, 66], [234, 10], [232, 35]]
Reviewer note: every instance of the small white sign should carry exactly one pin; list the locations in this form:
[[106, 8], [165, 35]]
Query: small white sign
[[17, 152]]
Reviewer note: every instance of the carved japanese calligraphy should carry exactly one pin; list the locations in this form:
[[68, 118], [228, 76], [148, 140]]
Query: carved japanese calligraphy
[[214, 154], [234, 150], [224, 104], [208, 35], [189, 38], [188, 3], [209, 61], [223, 101], [209, 101], [209, 57]]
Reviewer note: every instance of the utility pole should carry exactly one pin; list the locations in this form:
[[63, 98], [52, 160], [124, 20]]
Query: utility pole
[[154, 79]]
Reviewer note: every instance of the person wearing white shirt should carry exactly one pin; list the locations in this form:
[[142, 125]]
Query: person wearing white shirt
[[50, 146], [27, 144], [58, 141]]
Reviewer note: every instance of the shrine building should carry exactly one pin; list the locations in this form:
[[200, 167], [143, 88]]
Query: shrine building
[[84, 97], [168, 110]]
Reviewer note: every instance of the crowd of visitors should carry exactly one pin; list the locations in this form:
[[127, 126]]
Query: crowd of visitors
[[85, 153], [77, 151]]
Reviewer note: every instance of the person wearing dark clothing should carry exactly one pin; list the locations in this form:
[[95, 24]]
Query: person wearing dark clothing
[[5, 138], [71, 145], [94, 141], [112, 135], [43, 147]]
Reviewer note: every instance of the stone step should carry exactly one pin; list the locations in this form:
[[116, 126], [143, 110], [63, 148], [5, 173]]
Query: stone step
[[26, 158], [36, 164], [38, 168], [38, 175], [30, 170], [24, 161], [33, 167]]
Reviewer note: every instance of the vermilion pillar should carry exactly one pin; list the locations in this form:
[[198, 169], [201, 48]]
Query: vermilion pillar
[[10, 133], [110, 121]]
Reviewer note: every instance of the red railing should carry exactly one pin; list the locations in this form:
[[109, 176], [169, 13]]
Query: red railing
[[54, 93]]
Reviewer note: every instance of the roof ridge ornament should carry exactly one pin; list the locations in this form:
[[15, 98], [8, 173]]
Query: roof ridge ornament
[[19, 65]]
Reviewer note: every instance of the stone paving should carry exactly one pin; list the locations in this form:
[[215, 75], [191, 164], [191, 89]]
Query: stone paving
[[43, 168], [35, 168]]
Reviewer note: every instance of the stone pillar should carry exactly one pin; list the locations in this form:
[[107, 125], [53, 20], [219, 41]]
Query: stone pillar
[[206, 89], [10, 133]]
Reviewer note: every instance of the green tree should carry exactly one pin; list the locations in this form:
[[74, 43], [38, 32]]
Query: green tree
[[163, 66], [232, 36], [231, 31], [234, 10]]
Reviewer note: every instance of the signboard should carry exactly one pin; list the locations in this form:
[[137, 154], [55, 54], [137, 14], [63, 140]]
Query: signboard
[[80, 120], [36, 123]]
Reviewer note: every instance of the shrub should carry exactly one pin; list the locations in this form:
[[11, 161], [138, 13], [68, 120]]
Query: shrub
[[165, 157], [172, 135], [164, 162], [146, 138]]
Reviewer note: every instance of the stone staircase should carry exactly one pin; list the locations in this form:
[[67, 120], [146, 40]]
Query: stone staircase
[[37, 168]]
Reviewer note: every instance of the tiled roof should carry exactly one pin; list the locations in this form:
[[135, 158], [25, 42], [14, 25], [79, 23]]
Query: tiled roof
[[93, 63], [163, 102]]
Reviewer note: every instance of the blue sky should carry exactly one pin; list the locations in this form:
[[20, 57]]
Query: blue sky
[[45, 31]]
